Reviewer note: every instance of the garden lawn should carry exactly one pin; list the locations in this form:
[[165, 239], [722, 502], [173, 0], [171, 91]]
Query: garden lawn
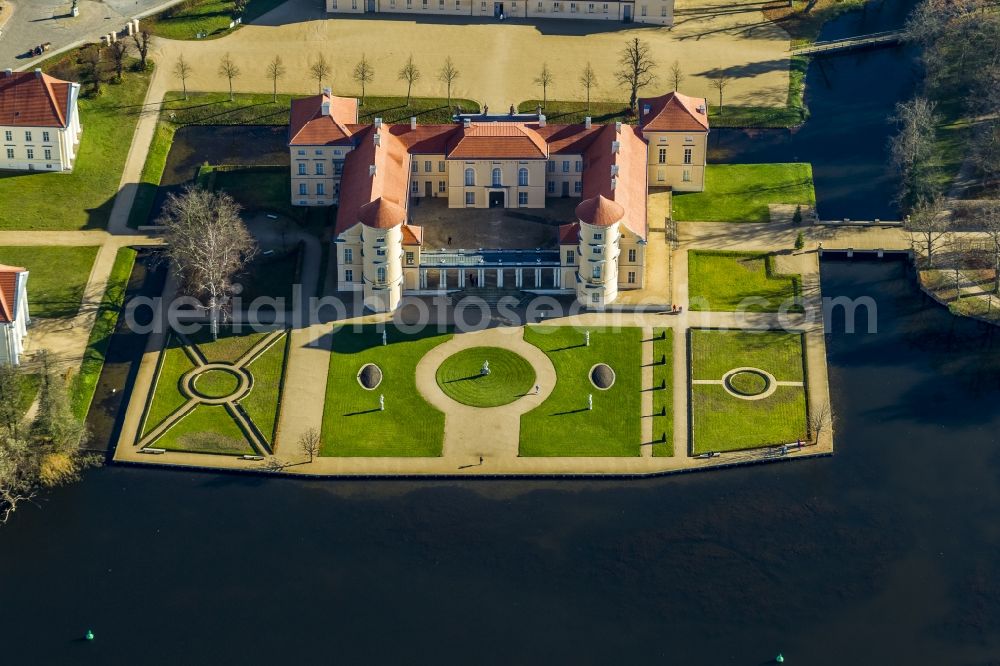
[[80, 199], [723, 422], [210, 17], [663, 399], [460, 377], [725, 281], [562, 425], [258, 188], [167, 397], [57, 276], [352, 422], [742, 192], [229, 347], [206, 429], [263, 402]]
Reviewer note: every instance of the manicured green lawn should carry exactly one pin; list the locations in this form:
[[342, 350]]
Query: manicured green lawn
[[57, 276], [206, 429], [167, 397], [428, 110], [263, 403], [511, 376], [663, 398], [739, 281], [216, 383], [210, 17], [85, 382], [723, 422], [353, 425], [259, 188], [230, 346], [562, 425], [742, 192], [563, 111], [80, 199]]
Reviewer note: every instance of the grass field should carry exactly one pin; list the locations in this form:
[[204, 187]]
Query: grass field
[[663, 399], [723, 422], [742, 192], [262, 404], [167, 397], [80, 199], [562, 425], [353, 425], [209, 17], [511, 376], [739, 282], [57, 276], [206, 429]]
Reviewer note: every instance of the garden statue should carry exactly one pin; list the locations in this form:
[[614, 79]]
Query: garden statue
[[381, 403], [485, 370], [590, 401]]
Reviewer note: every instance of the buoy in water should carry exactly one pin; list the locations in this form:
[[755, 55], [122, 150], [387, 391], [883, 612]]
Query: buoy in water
[[780, 659], [89, 635]]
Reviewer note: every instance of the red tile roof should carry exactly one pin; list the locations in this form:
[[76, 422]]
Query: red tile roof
[[673, 112], [497, 140], [30, 99], [309, 126], [425, 139], [567, 139], [599, 211], [8, 292], [569, 234], [630, 180], [413, 234], [358, 186], [381, 214]]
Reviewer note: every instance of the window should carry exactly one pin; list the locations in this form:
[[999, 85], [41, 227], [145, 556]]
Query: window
[[579, 166], [45, 137], [555, 6], [10, 153], [595, 297], [409, 259], [631, 254], [348, 255], [578, 186], [409, 4], [27, 136], [550, 187], [470, 198], [597, 272], [565, 166], [302, 152], [48, 154], [31, 153], [349, 275], [540, 7], [631, 277], [415, 187], [442, 186], [522, 177], [599, 249], [413, 166], [8, 135], [354, 4], [605, 8], [458, 4], [338, 167], [686, 176], [392, 4], [522, 198], [303, 189], [425, 4], [552, 166], [590, 8], [496, 178], [318, 152], [427, 166], [572, 7], [687, 156], [441, 4], [662, 156], [441, 166], [570, 257], [642, 10], [660, 175], [320, 189], [380, 252], [380, 273], [663, 10], [470, 177], [320, 170], [302, 168], [598, 236]]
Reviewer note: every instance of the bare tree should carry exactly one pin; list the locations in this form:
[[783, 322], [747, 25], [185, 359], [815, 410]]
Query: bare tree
[[720, 82], [364, 73], [18, 475], [320, 70], [141, 40], [911, 150], [118, 51], [275, 70], [991, 225], [240, 6], [636, 68], [821, 420], [230, 70], [11, 394], [411, 74], [309, 443], [93, 61], [447, 75], [544, 79], [207, 244], [275, 465], [182, 70], [676, 75], [588, 79], [928, 227]]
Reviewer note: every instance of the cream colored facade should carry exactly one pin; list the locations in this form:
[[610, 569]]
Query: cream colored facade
[[677, 160], [43, 148], [316, 174], [657, 12]]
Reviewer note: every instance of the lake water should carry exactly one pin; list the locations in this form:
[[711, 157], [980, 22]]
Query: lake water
[[884, 553]]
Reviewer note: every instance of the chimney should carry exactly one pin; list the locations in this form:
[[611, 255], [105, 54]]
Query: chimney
[[618, 127], [586, 123], [614, 183], [326, 107], [327, 91], [614, 169], [8, 72], [466, 123], [413, 122], [616, 146], [645, 109], [378, 123], [38, 72], [378, 139], [371, 169], [541, 120]]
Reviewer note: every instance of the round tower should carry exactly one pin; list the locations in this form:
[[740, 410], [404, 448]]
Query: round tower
[[597, 283], [382, 253]]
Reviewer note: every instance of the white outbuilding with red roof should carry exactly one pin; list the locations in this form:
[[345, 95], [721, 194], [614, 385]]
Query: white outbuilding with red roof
[[14, 317], [40, 125]]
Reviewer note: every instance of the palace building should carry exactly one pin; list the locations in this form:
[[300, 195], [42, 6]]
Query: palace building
[[534, 206], [658, 12]]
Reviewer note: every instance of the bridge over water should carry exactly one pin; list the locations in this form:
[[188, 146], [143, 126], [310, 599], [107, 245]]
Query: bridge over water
[[869, 41]]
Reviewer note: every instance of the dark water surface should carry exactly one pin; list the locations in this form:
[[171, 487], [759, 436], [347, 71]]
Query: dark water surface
[[885, 553]]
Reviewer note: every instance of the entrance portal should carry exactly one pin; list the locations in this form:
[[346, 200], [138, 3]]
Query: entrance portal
[[497, 9], [627, 16], [428, 189], [565, 189], [496, 199], [371, 5]]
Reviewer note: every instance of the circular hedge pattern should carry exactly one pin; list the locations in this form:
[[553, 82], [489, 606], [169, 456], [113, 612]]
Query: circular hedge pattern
[[602, 376], [370, 376], [216, 383], [748, 382], [511, 376]]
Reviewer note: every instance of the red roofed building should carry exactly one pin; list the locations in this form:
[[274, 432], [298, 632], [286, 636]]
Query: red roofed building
[[320, 134], [39, 122], [14, 317], [676, 128]]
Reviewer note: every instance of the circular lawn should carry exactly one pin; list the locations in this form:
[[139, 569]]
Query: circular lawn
[[216, 383], [460, 377]]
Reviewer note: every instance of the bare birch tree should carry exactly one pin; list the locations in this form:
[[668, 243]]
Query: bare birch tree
[[448, 75], [118, 51], [928, 227], [141, 40], [182, 70], [320, 70], [637, 68], [409, 73], [720, 82], [230, 70], [911, 150], [275, 70], [364, 73], [309, 443], [676, 75], [544, 79], [991, 225], [208, 245], [588, 79], [821, 420]]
